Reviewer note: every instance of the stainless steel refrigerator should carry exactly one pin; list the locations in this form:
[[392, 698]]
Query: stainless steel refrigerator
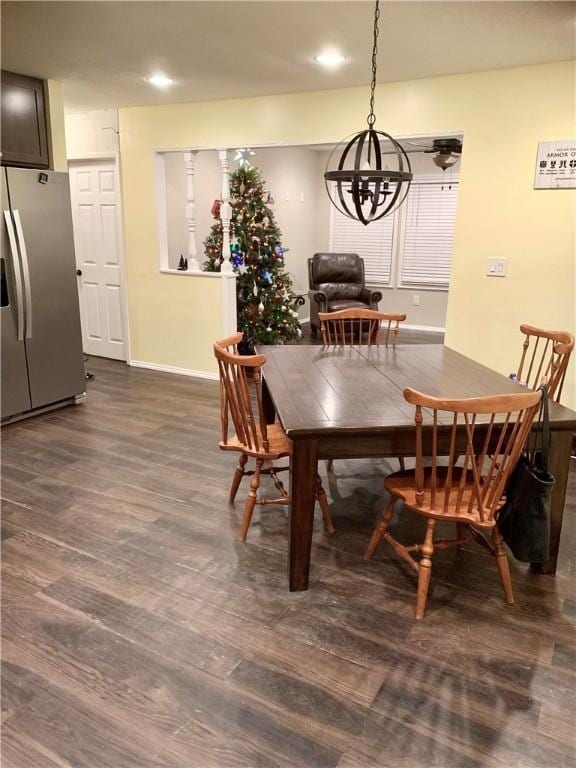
[[42, 360]]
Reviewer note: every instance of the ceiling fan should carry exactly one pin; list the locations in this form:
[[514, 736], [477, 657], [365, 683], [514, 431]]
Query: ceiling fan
[[446, 152]]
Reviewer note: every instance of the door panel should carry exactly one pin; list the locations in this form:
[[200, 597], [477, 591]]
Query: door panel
[[92, 311], [113, 302], [94, 194], [54, 350], [15, 392]]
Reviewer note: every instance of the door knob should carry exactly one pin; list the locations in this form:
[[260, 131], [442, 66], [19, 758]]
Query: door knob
[[78, 272]]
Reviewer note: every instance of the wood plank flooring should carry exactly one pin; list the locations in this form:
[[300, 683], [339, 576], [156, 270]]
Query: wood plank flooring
[[139, 632]]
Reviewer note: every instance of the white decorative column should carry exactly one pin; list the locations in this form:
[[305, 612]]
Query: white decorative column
[[189, 160], [225, 212]]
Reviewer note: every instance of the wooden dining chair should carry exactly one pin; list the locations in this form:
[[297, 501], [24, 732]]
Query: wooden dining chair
[[545, 357], [351, 327], [241, 408], [489, 433]]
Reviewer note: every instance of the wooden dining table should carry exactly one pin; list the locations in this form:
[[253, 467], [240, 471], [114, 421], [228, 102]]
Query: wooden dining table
[[345, 403]]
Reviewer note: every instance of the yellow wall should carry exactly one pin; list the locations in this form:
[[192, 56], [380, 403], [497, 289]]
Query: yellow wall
[[503, 115], [56, 131]]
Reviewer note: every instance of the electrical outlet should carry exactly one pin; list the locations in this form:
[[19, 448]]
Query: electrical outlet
[[497, 267], [287, 196], [415, 300]]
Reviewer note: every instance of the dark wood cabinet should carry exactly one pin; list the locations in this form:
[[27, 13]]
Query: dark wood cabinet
[[24, 136]]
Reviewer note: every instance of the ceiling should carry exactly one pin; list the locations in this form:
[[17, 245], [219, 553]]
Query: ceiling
[[103, 51]]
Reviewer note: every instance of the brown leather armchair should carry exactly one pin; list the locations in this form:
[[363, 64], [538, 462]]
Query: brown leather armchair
[[337, 282]]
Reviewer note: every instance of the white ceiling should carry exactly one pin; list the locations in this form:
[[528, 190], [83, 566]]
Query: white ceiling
[[102, 51]]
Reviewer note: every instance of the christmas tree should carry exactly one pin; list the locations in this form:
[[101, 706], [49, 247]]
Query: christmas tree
[[266, 302]]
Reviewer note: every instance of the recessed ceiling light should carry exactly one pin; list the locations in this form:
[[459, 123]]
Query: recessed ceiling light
[[330, 59], [160, 81]]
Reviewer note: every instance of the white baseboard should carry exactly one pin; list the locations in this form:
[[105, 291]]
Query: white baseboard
[[174, 369], [422, 328]]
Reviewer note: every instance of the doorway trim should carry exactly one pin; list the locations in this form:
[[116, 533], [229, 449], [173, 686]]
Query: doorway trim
[[115, 156]]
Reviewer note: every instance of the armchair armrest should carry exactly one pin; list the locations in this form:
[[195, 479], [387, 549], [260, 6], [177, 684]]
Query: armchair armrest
[[371, 297], [321, 299]]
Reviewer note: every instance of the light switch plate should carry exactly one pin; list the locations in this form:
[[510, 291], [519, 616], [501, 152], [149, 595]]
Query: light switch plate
[[497, 267]]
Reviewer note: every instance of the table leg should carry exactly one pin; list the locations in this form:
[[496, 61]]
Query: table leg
[[559, 466], [268, 404], [303, 471]]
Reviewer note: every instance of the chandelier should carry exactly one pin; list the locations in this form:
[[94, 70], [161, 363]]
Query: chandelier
[[361, 186]]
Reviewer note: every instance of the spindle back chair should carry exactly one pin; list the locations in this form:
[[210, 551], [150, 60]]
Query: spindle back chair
[[241, 406], [545, 357], [241, 398], [487, 434], [349, 327]]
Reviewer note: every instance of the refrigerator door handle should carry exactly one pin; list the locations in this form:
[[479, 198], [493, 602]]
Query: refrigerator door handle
[[25, 272], [17, 275]]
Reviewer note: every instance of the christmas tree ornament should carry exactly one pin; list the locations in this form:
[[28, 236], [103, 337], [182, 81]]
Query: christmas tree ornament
[[243, 156], [262, 285], [215, 210], [358, 177]]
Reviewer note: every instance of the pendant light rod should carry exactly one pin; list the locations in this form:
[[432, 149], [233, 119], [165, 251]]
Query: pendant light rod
[[371, 120]]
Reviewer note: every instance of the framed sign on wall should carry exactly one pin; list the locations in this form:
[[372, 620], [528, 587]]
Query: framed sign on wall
[[556, 165]]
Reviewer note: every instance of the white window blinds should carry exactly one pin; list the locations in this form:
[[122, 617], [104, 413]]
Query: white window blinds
[[372, 243], [426, 252]]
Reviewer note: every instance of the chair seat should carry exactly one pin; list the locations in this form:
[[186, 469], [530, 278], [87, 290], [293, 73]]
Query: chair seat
[[279, 444], [337, 304], [402, 485]]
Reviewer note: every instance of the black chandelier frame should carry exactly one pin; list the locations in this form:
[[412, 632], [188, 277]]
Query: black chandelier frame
[[372, 183]]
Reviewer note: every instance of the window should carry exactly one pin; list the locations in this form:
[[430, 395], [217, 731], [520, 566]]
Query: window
[[413, 247], [426, 252], [373, 243]]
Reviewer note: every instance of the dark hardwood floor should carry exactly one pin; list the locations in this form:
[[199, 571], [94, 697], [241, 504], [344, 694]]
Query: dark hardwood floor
[[139, 632]]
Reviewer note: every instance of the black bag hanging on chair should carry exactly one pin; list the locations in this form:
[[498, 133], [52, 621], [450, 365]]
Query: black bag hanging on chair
[[524, 520]]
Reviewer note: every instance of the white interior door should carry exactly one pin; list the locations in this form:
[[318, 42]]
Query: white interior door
[[97, 238]]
